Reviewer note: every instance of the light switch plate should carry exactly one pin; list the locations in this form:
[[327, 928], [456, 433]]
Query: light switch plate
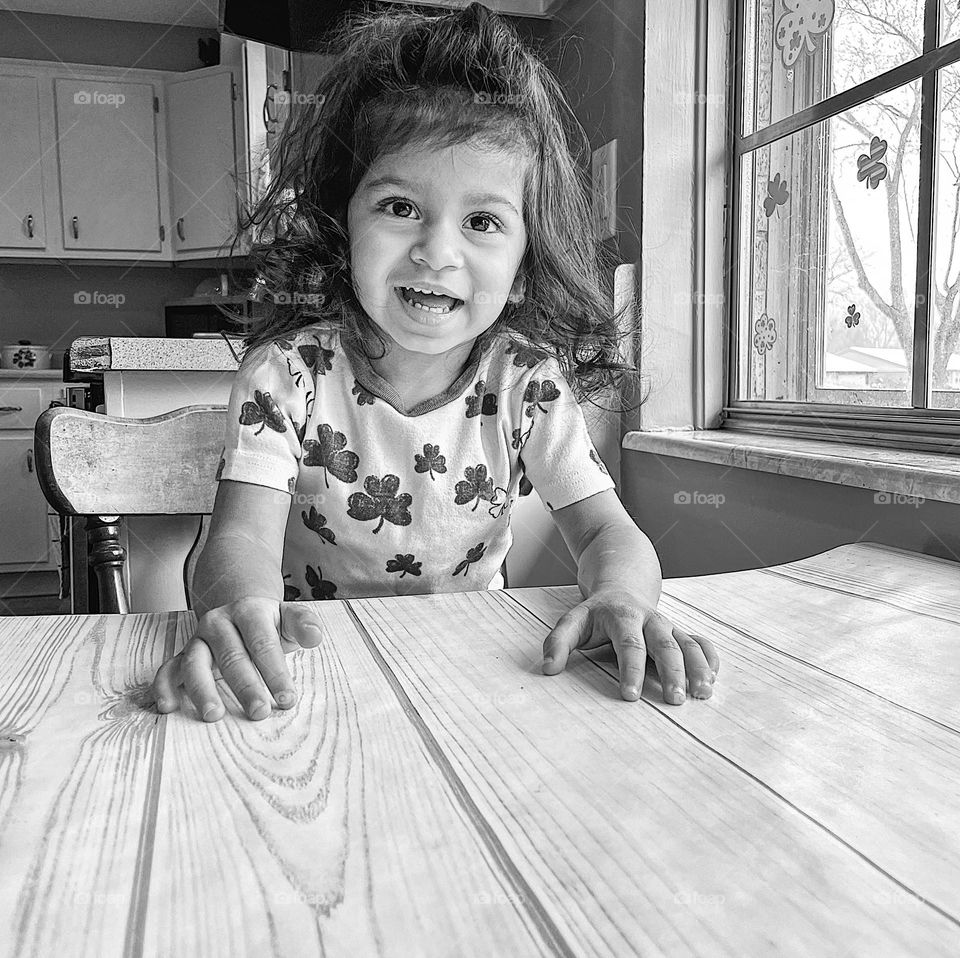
[[604, 178]]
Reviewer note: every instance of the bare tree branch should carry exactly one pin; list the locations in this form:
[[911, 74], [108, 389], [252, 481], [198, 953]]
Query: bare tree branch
[[862, 278]]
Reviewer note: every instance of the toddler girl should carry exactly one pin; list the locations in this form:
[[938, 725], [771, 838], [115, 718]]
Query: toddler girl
[[432, 313]]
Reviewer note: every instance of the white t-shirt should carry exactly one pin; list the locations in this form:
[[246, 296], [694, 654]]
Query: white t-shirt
[[387, 501]]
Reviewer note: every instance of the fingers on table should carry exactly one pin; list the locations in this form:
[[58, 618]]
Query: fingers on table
[[247, 649], [670, 657], [196, 673], [568, 634], [700, 662], [300, 626], [164, 689]]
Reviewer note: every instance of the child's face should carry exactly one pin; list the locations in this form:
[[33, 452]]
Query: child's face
[[449, 218]]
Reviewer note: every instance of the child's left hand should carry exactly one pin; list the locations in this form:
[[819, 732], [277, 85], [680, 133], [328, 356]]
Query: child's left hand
[[635, 630]]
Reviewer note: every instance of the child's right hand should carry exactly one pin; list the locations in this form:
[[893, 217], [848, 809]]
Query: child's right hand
[[247, 640]]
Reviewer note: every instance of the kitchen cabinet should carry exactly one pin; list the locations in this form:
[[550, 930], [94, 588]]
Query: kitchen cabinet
[[80, 160], [22, 220], [109, 177], [202, 162], [29, 527]]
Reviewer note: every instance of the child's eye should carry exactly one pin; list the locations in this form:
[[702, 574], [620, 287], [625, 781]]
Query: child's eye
[[394, 202], [489, 217]]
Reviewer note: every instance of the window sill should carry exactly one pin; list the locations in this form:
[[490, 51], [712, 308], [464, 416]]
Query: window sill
[[896, 471]]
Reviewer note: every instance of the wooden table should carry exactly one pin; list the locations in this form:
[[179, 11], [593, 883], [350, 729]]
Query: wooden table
[[434, 794]]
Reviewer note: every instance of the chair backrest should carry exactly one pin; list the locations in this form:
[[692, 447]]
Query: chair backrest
[[106, 467]]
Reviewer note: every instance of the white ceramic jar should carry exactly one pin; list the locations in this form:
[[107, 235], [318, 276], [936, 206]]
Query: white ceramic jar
[[25, 355]]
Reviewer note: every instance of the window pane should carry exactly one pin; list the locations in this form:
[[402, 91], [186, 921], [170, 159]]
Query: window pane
[[949, 21], [944, 312], [827, 260], [800, 52]]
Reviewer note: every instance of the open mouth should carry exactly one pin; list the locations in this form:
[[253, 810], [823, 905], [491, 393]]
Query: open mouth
[[428, 302]]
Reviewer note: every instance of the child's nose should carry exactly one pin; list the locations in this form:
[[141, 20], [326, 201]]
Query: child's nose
[[438, 246]]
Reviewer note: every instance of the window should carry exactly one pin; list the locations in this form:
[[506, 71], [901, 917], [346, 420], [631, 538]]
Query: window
[[844, 248]]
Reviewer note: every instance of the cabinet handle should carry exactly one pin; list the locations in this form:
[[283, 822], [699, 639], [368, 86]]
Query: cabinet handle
[[29, 460], [180, 228], [29, 222], [76, 227], [11, 408]]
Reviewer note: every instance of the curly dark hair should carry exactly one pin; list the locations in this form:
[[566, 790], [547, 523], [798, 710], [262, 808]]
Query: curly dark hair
[[407, 79]]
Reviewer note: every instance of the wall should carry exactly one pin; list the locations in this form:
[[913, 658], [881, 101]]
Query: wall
[[36, 301], [765, 519]]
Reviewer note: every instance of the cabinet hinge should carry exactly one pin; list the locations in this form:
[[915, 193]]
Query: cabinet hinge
[[233, 90], [156, 104], [163, 233]]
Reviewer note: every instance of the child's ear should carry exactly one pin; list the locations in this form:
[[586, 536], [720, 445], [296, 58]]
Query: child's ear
[[517, 290]]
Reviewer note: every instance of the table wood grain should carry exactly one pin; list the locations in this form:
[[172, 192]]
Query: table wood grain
[[433, 794]]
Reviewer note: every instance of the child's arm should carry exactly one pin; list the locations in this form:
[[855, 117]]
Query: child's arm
[[619, 576], [243, 625]]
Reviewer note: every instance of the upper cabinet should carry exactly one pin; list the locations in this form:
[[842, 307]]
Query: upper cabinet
[[109, 177], [22, 222], [202, 162], [100, 163]]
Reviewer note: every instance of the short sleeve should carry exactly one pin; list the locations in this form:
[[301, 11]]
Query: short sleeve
[[266, 418], [558, 455]]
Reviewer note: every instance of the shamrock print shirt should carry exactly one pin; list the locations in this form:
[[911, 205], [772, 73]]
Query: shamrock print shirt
[[386, 501]]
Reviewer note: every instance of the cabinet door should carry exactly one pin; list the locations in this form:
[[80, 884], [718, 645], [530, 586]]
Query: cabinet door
[[202, 161], [109, 181], [21, 187], [24, 530]]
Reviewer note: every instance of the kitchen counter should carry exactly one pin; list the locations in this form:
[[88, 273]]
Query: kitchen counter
[[13, 375], [94, 355]]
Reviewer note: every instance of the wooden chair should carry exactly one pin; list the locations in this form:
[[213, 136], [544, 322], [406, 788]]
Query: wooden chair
[[107, 467]]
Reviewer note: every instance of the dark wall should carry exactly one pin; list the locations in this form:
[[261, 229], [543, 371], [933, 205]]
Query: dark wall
[[766, 519]]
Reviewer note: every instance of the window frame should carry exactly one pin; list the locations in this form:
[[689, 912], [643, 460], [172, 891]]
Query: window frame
[[920, 426]]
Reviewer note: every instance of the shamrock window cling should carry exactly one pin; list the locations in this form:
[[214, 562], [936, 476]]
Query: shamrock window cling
[[765, 334], [800, 23], [870, 166], [853, 316], [777, 195]]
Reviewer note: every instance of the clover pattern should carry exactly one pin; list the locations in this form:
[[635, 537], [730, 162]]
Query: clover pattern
[[364, 396], [473, 555], [598, 461], [777, 195], [476, 486], [431, 461], [317, 522], [331, 454], [799, 24], [404, 564], [320, 588], [290, 592], [526, 356], [262, 411], [381, 501], [537, 393], [482, 403], [765, 334]]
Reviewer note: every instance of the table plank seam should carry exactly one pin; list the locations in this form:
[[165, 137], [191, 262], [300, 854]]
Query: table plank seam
[[758, 781], [829, 831], [139, 899], [858, 595], [531, 902], [819, 668]]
